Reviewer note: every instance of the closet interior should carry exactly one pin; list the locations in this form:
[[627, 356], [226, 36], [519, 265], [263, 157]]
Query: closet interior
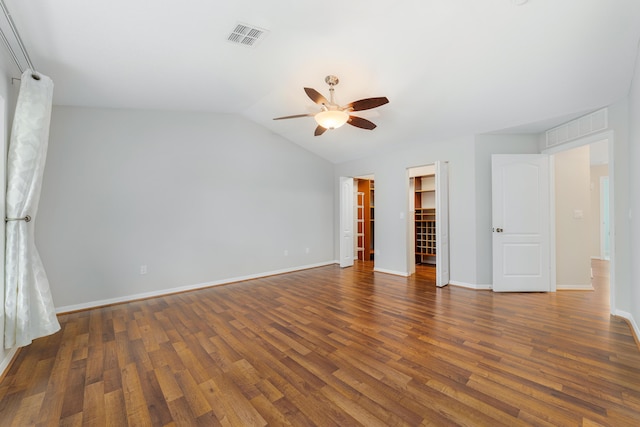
[[365, 218], [424, 188]]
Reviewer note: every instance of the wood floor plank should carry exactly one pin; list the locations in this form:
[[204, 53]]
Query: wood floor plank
[[137, 410], [193, 395], [334, 347], [115, 409], [28, 411], [156, 403], [93, 410]]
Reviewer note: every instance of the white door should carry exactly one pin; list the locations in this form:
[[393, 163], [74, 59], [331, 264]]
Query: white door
[[521, 223], [346, 221], [411, 228], [442, 223]]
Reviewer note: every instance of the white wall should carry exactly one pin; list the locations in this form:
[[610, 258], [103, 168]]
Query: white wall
[[198, 198], [573, 218]]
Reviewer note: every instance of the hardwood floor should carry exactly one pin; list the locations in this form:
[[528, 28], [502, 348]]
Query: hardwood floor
[[334, 347]]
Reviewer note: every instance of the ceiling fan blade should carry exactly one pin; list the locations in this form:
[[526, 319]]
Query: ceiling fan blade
[[366, 104], [316, 96], [359, 122], [293, 117], [320, 130]]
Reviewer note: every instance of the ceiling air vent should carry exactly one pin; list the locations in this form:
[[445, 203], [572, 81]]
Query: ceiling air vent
[[247, 35]]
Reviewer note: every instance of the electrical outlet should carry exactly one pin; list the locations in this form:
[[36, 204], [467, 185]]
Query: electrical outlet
[[286, 252], [306, 250], [143, 269]]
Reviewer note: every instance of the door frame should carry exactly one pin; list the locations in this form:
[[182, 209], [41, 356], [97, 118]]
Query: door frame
[[604, 236], [442, 196], [348, 202], [346, 222], [411, 214], [609, 136]]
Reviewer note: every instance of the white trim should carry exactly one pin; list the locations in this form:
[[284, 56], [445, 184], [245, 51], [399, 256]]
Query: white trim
[[163, 292], [346, 221], [577, 287], [604, 239], [395, 273], [6, 362], [471, 286], [553, 266], [629, 317]]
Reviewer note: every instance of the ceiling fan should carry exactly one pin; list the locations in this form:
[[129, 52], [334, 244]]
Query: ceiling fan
[[332, 115]]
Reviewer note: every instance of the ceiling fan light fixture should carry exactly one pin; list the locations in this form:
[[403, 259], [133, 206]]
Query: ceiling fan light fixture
[[331, 119]]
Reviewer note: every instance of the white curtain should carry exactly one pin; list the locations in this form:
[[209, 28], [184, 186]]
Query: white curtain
[[29, 310]]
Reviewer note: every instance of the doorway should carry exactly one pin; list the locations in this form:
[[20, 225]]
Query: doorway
[[422, 195], [364, 217], [428, 219], [570, 214], [602, 143], [582, 213]]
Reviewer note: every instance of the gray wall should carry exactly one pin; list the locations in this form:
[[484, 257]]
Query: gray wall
[[620, 178], [9, 94], [633, 162], [391, 183], [469, 200], [196, 197]]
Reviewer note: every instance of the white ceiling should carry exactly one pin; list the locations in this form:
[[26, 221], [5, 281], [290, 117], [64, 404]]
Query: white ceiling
[[448, 67]]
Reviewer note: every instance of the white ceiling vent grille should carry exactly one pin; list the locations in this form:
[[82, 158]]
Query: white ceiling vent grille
[[586, 125], [246, 35]]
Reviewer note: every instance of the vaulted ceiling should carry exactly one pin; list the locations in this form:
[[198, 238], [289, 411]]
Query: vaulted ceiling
[[448, 67]]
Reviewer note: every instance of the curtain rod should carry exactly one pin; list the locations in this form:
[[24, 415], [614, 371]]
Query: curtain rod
[[14, 30]]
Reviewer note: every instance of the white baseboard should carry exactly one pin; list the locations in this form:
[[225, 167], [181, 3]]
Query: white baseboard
[[161, 292], [577, 287], [6, 361], [471, 285], [631, 320], [395, 273]]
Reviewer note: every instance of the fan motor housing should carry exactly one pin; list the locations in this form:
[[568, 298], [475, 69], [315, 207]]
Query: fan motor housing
[[331, 80]]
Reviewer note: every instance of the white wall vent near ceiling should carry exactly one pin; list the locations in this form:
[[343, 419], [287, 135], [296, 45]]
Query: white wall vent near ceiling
[[578, 128], [246, 35]]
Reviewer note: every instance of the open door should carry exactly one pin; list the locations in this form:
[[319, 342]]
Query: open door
[[411, 228], [521, 223], [442, 223], [346, 222]]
